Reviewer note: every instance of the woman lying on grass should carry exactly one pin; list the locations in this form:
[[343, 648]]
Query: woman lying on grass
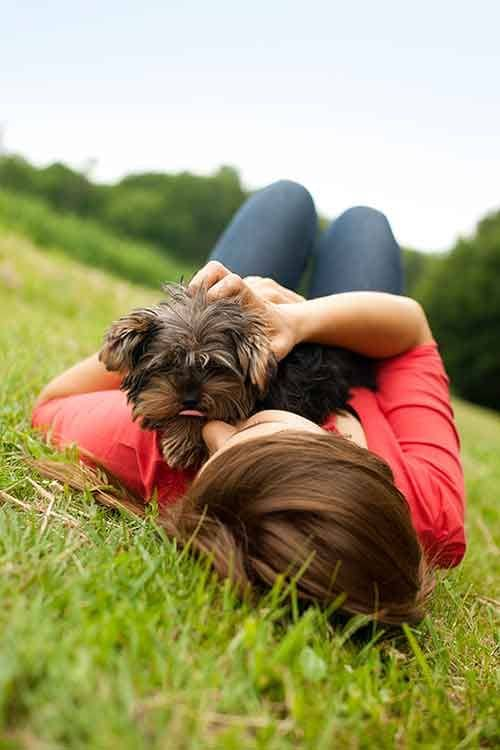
[[364, 506]]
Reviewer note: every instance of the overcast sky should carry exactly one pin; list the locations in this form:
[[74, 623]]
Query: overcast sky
[[391, 104]]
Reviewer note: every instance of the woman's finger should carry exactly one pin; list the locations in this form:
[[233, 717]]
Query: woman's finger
[[209, 275], [227, 287]]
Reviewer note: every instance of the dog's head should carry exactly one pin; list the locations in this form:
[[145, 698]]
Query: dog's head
[[187, 358]]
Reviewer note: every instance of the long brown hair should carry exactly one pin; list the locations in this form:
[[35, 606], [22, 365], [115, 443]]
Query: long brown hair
[[303, 502]]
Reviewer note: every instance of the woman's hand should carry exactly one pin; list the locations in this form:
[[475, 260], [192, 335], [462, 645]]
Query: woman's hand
[[271, 291], [220, 282]]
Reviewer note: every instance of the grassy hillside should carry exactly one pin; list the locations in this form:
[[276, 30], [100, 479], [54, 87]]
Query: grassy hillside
[[88, 242], [110, 638]]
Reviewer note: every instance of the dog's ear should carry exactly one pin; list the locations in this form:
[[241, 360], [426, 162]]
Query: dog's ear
[[127, 339], [256, 360]]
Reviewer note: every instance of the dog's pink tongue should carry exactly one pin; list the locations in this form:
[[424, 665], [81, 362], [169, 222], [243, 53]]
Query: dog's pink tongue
[[192, 413]]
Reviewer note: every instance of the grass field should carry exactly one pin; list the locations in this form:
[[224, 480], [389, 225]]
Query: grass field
[[111, 638]]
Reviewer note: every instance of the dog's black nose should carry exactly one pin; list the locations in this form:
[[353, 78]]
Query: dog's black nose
[[190, 403], [191, 397]]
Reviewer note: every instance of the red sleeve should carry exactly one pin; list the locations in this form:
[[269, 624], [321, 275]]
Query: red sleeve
[[101, 424], [415, 398]]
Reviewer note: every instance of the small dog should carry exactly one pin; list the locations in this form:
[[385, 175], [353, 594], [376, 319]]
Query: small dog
[[187, 360]]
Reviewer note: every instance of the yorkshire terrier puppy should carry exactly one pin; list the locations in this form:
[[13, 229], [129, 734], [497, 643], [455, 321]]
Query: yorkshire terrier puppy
[[187, 360]]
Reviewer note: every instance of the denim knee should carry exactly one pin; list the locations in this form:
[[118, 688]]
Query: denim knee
[[371, 217], [296, 197]]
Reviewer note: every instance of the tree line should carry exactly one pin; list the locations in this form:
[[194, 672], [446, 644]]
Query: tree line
[[183, 214]]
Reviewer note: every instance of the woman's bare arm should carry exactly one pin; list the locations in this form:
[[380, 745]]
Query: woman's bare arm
[[376, 324], [86, 376]]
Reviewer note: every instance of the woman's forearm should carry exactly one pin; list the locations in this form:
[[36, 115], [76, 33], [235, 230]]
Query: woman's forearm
[[84, 377], [376, 324]]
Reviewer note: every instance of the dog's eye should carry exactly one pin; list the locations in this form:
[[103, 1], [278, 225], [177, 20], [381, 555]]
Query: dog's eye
[[217, 370], [221, 371], [170, 365]]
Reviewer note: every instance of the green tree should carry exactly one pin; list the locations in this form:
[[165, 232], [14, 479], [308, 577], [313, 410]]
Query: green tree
[[17, 174], [68, 190], [183, 212], [460, 296]]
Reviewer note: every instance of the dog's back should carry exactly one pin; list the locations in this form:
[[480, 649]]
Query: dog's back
[[315, 380]]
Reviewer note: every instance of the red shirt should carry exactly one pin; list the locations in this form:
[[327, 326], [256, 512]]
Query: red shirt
[[408, 422]]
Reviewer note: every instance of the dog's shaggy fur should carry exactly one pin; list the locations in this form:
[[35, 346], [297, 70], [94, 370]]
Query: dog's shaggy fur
[[188, 354]]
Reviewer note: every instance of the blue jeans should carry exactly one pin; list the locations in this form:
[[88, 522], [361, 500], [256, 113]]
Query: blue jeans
[[275, 233]]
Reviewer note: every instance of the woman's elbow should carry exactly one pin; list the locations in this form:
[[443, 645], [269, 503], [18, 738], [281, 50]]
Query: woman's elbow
[[445, 549], [424, 333], [41, 413], [42, 398], [450, 555]]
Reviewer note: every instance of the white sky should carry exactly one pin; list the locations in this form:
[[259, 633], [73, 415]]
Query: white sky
[[391, 104]]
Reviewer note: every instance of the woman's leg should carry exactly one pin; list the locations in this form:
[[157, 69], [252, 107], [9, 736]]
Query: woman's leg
[[358, 251], [271, 235]]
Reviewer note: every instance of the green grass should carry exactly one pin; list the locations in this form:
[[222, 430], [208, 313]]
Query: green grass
[[88, 242], [112, 638]]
